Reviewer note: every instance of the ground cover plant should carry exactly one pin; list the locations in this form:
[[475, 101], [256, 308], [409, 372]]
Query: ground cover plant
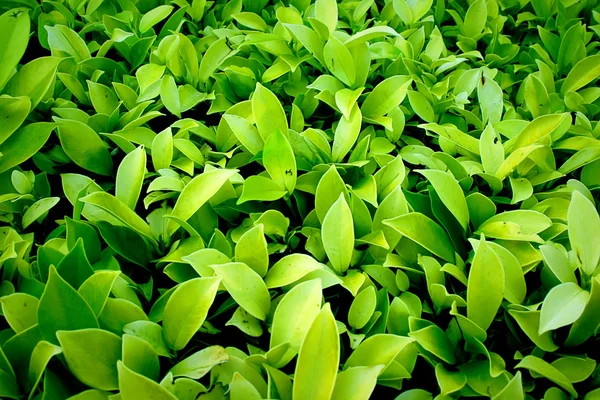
[[256, 199]]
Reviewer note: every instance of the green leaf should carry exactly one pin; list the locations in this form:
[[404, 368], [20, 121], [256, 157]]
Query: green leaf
[[540, 128], [290, 269], [151, 333], [326, 12], [200, 363], [92, 355], [449, 381], [338, 59], [213, 58], [186, 310], [491, 150], [120, 211], [196, 193], [126, 242], [251, 250], [15, 356], [119, 312], [421, 106], [385, 96], [424, 231], [415, 394], [268, 113], [21, 182], [240, 388], [162, 150], [140, 357], [279, 161], [338, 235], [33, 80], [14, 29], [153, 17], [515, 289], [356, 383], [582, 73], [134, 386], [346, 134], [64, 39], [328, 190], [20, 311], [103, 98], [84, 146], [362, 308], [23, 144], [259, 188], [130, 177], [245, 322], [245, 132], [251, 20], [475, 19], [536, 96], [394, 204], [513, 390], [13, 111], [40, 357], [529, 321], [96, 289], [294, 315], [318, 360], [547, 371], [485, 289], [38, 210], [345, 100], [201, 259], [75, 267], [586, 325], [62, 308], [380, 349], [521, 188], [451, 194], [577, 369], [433, 339], [583, 222], [91, 394], [246, 287], [454, 135], [169, 95], [558, 263], [562, 306], [488, 91], [516, 225], [369, 34], [309, 39], [83, 230]]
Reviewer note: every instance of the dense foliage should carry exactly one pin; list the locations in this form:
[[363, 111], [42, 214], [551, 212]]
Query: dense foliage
[[252, 199]]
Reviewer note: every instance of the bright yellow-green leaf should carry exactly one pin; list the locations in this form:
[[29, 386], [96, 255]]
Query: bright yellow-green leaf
[[186, 310], [246, 287], [318, 360], [279, 161], [268, 112], [130, 177], [196, 193], [14, 30], [337, 233], [584, 223], [134, 386], [486, 286], [426, 232]]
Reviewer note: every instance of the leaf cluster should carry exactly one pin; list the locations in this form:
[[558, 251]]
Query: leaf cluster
[[299, 200]]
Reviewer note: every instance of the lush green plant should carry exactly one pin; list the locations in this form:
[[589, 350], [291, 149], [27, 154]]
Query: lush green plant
[[252, 199]]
